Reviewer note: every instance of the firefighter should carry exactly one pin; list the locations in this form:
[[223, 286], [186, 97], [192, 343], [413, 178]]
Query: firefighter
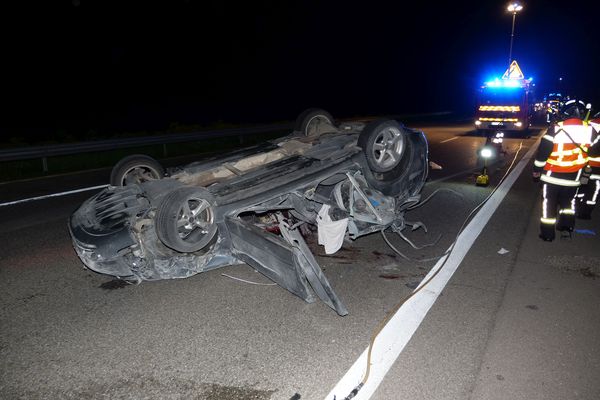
[[561, 156], [587, 195]]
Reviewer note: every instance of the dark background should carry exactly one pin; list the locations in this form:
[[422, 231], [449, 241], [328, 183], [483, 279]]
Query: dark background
[[80, 65]]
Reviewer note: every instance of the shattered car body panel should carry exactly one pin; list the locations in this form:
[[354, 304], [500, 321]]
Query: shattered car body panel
[[249, 207]]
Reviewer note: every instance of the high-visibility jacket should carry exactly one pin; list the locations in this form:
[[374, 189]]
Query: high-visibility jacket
[[563, 152]]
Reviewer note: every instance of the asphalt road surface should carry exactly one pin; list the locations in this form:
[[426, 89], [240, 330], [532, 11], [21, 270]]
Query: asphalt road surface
[[66, 332]]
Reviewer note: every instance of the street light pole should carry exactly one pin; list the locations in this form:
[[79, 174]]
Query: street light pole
[[514, 8], [512, 36]]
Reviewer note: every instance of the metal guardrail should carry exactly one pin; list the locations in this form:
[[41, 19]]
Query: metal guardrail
[[43, 152], [26, 153]]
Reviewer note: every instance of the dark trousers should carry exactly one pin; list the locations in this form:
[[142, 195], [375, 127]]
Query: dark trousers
[[588, 195], [558, 209]]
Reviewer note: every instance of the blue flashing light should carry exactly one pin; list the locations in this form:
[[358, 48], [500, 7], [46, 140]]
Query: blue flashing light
[[511, 83], [495, 83], [504, 83]]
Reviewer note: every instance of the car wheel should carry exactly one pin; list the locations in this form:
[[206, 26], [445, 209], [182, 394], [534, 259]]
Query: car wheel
[[185, 221], [136, 168], [410, 172], [385, 145], [314, 121]]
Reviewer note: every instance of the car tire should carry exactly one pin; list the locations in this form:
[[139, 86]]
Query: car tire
[[386, 147], [136, 168], [313, 122], [185, 219]]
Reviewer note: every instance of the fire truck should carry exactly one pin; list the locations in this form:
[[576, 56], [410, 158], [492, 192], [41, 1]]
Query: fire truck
[[504, 104]]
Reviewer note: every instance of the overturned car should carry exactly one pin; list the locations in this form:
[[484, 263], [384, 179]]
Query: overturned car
[[348, 179]]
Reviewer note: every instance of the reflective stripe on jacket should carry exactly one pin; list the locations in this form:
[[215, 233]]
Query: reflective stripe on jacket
[[562, 179]]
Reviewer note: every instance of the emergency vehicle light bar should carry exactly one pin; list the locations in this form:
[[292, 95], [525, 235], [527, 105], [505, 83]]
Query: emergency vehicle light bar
[[504, 83]]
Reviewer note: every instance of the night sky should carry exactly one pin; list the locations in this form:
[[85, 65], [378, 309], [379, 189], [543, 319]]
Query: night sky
[[115, 66]]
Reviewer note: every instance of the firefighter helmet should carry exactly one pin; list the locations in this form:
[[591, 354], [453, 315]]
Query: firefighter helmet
[[572, 109]]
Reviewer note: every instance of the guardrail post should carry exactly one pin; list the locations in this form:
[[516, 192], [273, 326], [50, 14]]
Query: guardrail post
[[45, 164]]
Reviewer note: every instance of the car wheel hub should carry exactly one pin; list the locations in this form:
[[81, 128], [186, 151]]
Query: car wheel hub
[[195, 214], [139, 175], [388, 147]]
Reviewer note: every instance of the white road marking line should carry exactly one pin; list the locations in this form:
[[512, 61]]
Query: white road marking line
[[447, 140], [399, 330], [10, 203]]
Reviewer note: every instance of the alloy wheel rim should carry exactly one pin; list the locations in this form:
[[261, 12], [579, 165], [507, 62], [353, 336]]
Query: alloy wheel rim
[[195, 218], [388, 147]]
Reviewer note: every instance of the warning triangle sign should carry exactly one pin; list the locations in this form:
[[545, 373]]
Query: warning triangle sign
[[513, 72]]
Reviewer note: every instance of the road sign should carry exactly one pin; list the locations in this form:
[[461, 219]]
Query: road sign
[[513, 72]]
